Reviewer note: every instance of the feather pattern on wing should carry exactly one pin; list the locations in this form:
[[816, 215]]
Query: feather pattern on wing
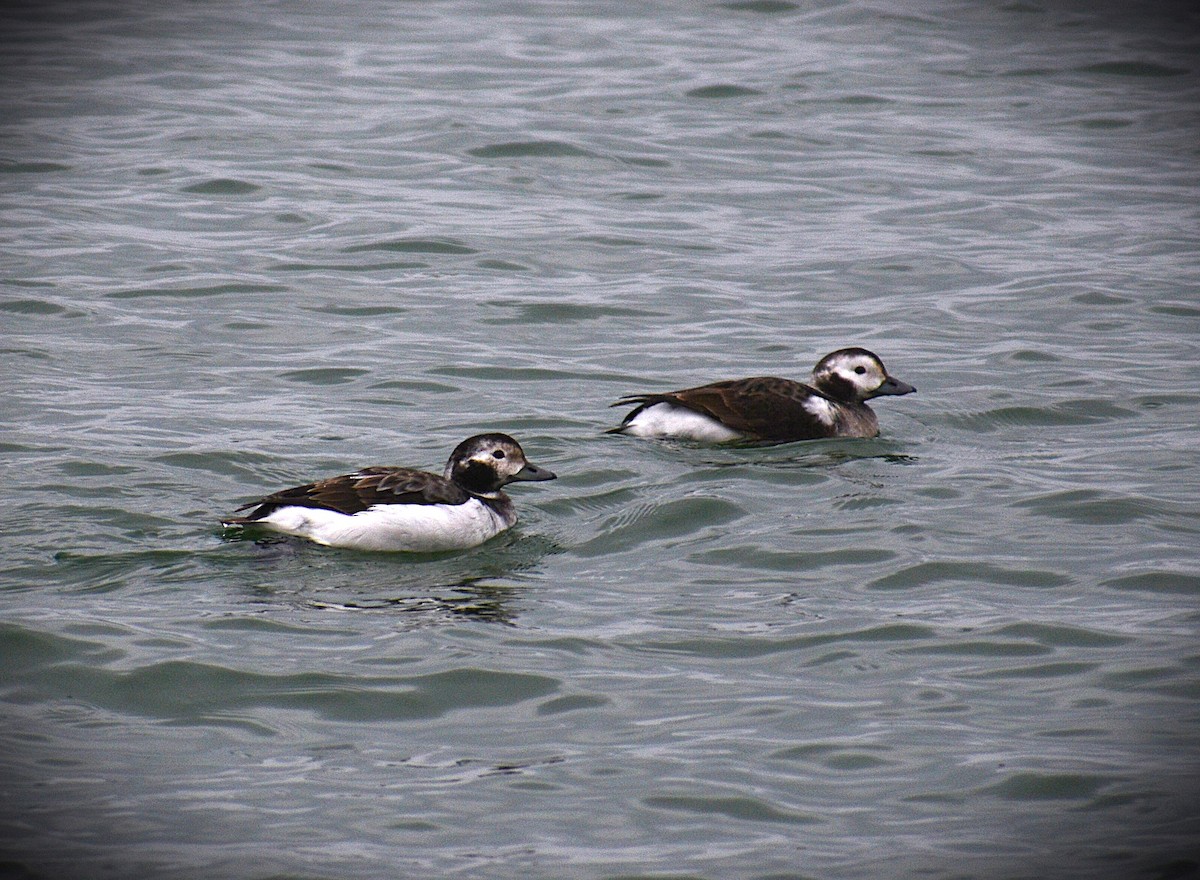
[[363, 489], [765, 407]]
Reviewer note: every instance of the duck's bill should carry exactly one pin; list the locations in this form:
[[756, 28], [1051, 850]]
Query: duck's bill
[[893, 386], [532, 473]]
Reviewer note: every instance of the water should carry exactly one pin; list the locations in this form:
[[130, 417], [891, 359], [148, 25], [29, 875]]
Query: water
[[245, 245]]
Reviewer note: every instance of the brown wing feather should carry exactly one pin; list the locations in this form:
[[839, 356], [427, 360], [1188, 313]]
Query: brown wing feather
[[761, 407], [354, 493]]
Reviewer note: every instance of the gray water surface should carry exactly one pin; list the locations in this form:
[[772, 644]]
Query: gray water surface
[[247, 245]]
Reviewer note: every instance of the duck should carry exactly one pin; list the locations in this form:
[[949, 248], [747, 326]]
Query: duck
[[403, 509], [768, 409]]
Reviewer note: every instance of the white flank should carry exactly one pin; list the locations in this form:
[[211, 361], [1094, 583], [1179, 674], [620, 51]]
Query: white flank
[[413, 527], [821, 408], [668, 420]]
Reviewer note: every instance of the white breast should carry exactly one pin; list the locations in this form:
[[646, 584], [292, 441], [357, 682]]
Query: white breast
[[413, 527], [668, 420]]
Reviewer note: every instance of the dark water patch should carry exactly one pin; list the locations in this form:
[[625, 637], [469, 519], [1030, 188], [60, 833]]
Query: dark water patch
[[1064, 669], [766, 7], [324, 375], [1091, 507], [189, 692], [9, 167], [572, 703], [736, 648], [94, 469], [865, 502], [388, 265], [1133, 68], [564, 313], [415, 825], [926, 574], [413, 246], [1167, 582], [1175, 310], [745, 809], [1042, 786], [494, 373], [213, 462], [1176, 684], [866, 101], [1103, 123], [722, 91], [23, 648], [260, 624], [616, 241], [979, 648], [532, 149], [1062, 636], [643, 162], [222, 186], [1074, 733], [502, 265], [196, 292], [35, 307], [638, 196], [1099, 298], [834, 756], [780, 560], [1029, 72], [357, 311], [414, 385], [1032, 356]]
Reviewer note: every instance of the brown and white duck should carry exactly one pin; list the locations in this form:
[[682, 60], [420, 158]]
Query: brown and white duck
[[398, 508], [770, 409]]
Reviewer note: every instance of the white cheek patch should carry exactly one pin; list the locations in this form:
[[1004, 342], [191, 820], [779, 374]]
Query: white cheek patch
[[821, 409], [666, 420]]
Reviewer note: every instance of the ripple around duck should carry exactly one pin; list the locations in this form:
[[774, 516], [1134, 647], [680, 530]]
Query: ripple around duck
[[1065, 413], [648, 523]]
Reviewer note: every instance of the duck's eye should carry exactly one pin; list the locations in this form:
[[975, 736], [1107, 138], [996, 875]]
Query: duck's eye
[[860, 369], [498, 453]]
